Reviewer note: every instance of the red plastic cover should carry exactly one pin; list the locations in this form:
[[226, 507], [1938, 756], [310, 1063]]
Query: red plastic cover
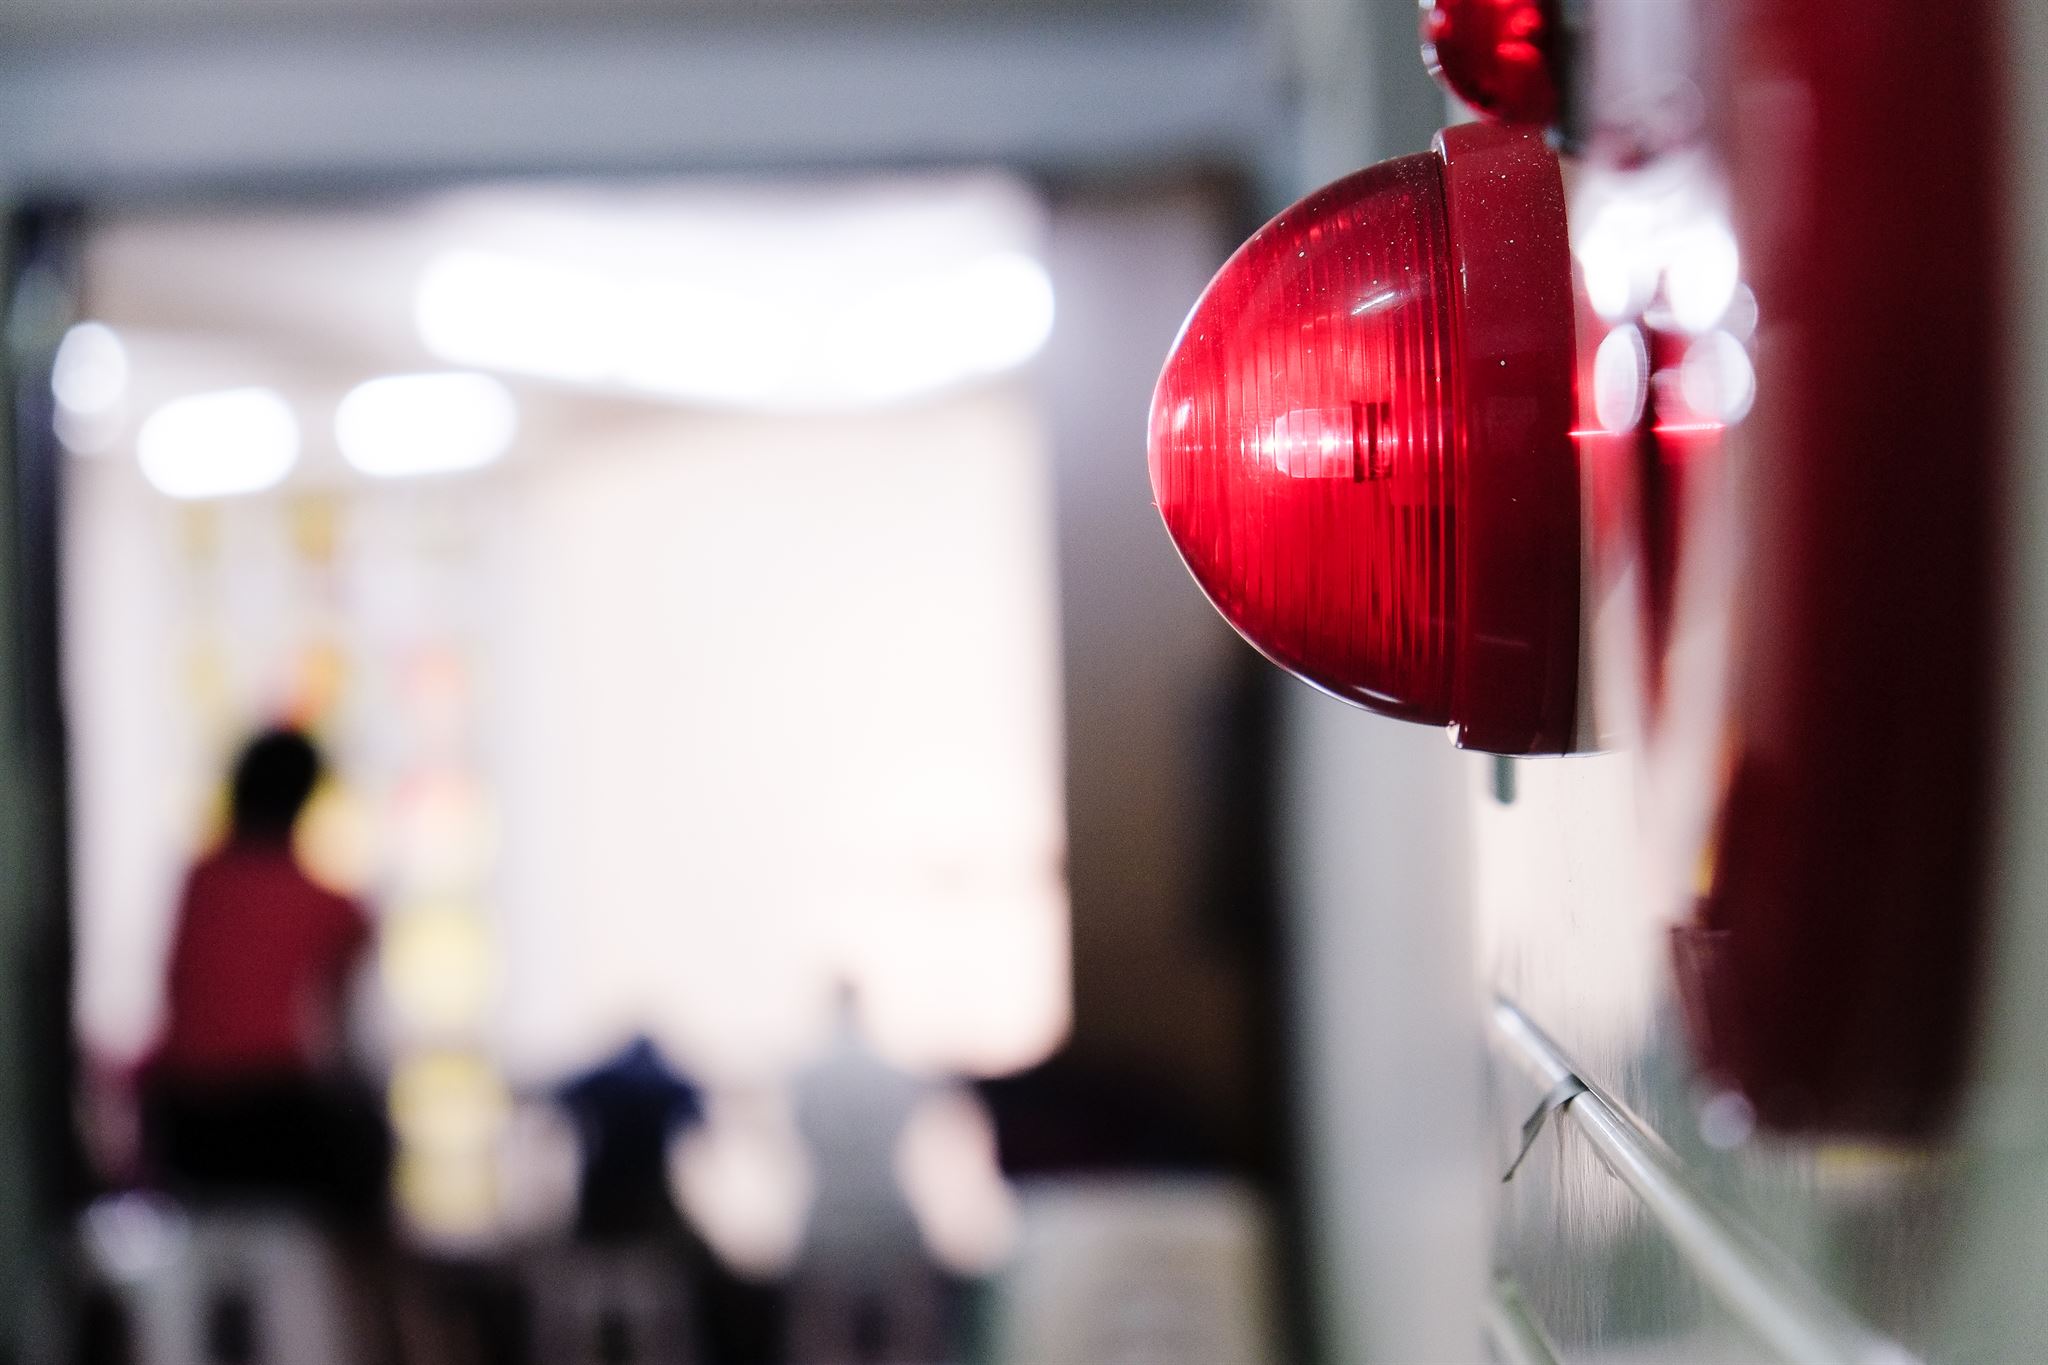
[[1360, 442]]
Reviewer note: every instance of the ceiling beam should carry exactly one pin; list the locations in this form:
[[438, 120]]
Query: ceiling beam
[[397, 98]]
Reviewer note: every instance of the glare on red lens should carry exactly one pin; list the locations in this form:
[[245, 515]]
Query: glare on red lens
[[1495, 55], [1301, 434], [1360, 442]]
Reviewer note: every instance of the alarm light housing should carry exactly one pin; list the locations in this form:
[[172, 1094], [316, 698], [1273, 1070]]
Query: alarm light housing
[[1361, 442]]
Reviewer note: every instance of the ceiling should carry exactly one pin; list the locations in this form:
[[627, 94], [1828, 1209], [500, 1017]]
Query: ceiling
[[313, 301], [146, 97]]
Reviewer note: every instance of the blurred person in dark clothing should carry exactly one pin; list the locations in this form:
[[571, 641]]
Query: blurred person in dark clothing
[[244, 1096], [628, 1111]]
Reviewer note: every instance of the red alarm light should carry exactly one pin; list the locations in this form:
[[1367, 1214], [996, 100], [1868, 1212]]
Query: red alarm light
[[1495, 55], [1361, 442]]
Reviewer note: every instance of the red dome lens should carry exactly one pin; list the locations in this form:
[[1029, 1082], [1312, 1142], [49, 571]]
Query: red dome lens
[[1360, 442], [1276, 439], [1493, 54]]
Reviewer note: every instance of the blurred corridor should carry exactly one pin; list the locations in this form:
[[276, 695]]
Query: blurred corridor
[[668, 574], [715, 578]]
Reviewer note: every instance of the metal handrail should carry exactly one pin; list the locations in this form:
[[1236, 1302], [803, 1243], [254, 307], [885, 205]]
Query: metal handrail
[[1512, 1330], [1765, 1290]]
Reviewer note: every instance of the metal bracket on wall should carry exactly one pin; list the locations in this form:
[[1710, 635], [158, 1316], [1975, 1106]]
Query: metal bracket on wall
[[1764, 1289]]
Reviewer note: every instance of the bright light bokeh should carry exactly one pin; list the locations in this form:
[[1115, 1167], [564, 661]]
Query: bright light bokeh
[[1701, 273], [1621, 370], [1616, 264], [1716, 378], [743, 328], [90, 376], [214, 445], [411, 424], [514, 313]]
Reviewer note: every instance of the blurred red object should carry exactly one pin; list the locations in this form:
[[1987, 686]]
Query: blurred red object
[[1495, 55], [1837, 948]]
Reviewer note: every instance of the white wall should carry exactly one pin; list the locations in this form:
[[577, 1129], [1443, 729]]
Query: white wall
[[787, 703], [1374, 833], [1375, 838]]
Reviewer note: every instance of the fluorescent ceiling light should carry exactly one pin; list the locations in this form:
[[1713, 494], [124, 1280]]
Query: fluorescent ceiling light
[[90, 377], [768, 327], [408, 424], [90, 381], [212, 445], [511, 313]]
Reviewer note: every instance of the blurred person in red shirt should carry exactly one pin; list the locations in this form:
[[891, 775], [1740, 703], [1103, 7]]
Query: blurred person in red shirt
[[245, 1095]]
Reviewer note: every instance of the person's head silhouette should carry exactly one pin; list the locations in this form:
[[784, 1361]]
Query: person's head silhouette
[[273, 779]]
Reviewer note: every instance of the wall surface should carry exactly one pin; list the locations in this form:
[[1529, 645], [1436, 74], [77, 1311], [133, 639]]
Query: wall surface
[[1375, 841], [1146, 661]]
